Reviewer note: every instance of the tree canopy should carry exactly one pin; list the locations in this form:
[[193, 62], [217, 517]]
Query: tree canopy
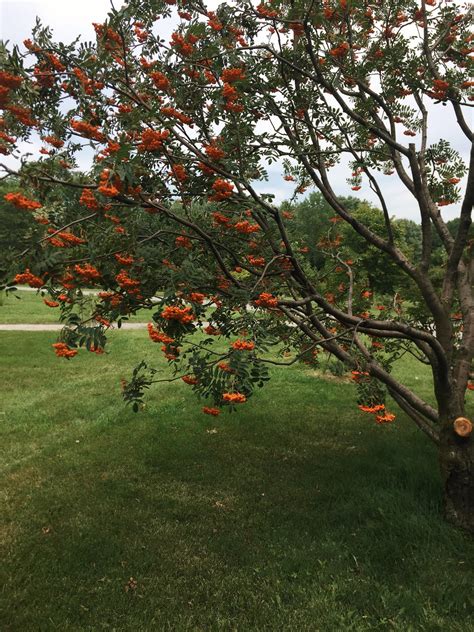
[[182, 129]]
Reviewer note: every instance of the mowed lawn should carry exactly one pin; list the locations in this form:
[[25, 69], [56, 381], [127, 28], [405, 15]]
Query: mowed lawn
[[26, 307], [295, 513]]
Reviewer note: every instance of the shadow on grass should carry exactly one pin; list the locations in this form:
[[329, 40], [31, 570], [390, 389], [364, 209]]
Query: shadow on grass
[[293, 514], [196, 516]]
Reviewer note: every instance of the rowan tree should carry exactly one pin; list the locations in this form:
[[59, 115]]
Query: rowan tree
[[181, 129]]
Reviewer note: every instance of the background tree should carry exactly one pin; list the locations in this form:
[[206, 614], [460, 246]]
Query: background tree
[[15, 229], [312, 221], [181, 129]]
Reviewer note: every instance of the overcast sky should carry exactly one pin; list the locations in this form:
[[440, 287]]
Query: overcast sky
[[70, 19]]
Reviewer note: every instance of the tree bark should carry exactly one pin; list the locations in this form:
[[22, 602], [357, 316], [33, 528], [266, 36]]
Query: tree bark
[[457, 468]]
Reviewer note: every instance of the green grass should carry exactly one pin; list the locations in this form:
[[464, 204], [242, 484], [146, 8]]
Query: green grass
[[25, 307], [295, 513], [28, 307]]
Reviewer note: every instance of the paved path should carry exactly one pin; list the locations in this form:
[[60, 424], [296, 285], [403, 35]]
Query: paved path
[[58, 326], [26, 288]]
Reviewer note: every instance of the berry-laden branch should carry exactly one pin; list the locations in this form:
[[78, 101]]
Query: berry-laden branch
[[177, 213]]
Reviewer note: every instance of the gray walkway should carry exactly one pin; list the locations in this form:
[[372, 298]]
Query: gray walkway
[[58, 327]]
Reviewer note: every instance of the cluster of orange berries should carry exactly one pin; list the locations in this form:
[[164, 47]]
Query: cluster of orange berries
[[183, 45], [210, 78], [183, 315], [210, 330], [224, 366], [440, 88], [258, 262], [339, 51], [125, 108], [88, 200], [185, 15], [87, 272], [101, 320], [372, 409], [176, 114], [443, 201], [245, 227], [382, 416], [152, 140], [213, 151], [243, 345], [50, 303], [222, 190], [112, 148], [296, 27], [229, 75], [111, 37], [223, 283], [266, 12], [141, 34], [158, 336], [359, 376], [63, 351], [170, 352], [54, 141], [220, 219], [266, 300], [168, 264], [7, 80], [107, 189], [284, 263], [88, 85], [234, 398], [55, 63], [214, 22], [44, 77], [211, 411], [196, 297], [385, 418], [87, 130], [179, 172], [7, 139], [21, 113], [183, 242], [97, 350], [29, 278], [231, 97], [124, 260], [113, 298], [160, 80], [190, 379], [20, 201], [67, 281], [64, 239], [127, 283]]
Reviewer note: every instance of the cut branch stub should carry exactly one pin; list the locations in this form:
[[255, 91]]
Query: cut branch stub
[[462, 427]]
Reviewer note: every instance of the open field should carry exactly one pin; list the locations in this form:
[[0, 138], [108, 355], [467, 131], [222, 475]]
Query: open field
[[28, 307], [295, 513]]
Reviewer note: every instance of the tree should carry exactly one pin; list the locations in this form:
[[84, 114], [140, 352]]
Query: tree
[[311, 223], [181, 130], [312, 220]]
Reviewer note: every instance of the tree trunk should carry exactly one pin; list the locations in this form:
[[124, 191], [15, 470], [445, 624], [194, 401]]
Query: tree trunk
[[457, 469]]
